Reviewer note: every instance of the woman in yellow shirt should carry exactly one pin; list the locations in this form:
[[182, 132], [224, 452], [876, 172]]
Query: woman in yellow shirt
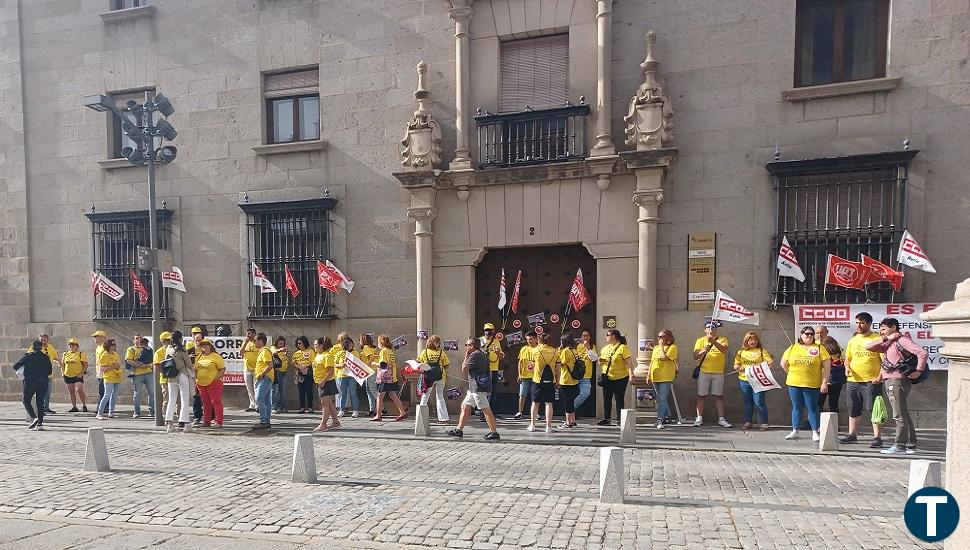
[[807, 365], [303, 376], [664, 364], [345, 383], [544, 380], [324, 379], [109, 365], [368, 354], [616, 371], [387, 383], [75, 364], [433, 355], [751, 354], [209, 369], [568, 385], [279, 349]]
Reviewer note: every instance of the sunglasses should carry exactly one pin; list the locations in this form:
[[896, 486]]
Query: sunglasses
[[808, 333]]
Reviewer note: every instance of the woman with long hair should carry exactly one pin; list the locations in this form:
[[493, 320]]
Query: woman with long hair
[[180, 386], [326, 384], [807, 365], [434, 356], [302, 361], [616, 371], [387, 383], [109, 363], [568, 384], [368, 354], [752, 353], [664, 364]]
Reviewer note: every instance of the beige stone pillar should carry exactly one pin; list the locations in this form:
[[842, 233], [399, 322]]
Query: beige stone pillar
[[423, 218], [461, 13], [604, 71], [951, 323]]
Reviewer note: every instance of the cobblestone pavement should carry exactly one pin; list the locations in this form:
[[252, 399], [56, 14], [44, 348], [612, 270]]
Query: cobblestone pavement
[[215, 489]]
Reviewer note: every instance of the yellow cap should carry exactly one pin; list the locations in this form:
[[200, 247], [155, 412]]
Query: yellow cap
[[165, 335], [196, 330], [72, 341], [205, 341], [99, 333], [489, 326]]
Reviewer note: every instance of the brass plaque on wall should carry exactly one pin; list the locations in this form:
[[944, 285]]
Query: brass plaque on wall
[[701, 268]]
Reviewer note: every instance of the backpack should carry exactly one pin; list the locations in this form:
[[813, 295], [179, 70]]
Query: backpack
[[434, 373], [170, 369], [578, 368]]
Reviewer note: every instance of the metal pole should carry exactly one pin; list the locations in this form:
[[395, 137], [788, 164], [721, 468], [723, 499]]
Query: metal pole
[[149, 124]]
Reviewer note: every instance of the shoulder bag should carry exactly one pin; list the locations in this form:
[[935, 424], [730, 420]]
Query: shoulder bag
[[609, 361], [697, 370]]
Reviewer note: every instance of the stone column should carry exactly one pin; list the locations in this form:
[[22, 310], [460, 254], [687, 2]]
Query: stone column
[[951, 323], [423, 218], [604, 89], [461, 13]]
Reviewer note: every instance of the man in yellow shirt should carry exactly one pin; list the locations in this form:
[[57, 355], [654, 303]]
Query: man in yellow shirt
[[526, 364], [100, 337], [249, 352], [493, 347], [710, 351], [862, 367], [140, 374], [263, 378], [159, 356]]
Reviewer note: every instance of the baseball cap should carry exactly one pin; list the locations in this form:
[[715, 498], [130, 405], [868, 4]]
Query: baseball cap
[[72, 341], [165, 335], [205, 341], [489, 326], [196, 330], [99, 333], [712, 324]]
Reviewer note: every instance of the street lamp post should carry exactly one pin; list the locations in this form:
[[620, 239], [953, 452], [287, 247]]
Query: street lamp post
[[139, 124]]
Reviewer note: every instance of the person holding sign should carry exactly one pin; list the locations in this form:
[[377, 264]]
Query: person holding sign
[[526, 367], [664, 364], [324, 378], [387, 383], [807, 365], [263, 378], [368, 354], [434, 356], [709, 352], [750, 355]]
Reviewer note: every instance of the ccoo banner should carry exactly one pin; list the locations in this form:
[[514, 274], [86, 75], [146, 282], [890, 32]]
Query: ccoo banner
[[840, 320]]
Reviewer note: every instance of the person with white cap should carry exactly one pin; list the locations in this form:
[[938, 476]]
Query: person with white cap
[[492, 346], [710, 351], [75, 364]]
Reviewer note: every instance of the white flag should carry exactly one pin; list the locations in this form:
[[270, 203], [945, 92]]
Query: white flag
[[357, 368], [260, 280], [912, 255], [345, 281], [173, 279], [761, 378], [788, 263], [501, 292], [727, 309], [108, 288]]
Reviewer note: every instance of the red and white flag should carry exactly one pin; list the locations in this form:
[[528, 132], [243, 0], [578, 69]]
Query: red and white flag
[[912, 255], [501, 292], [106, 287], [95, 278], [357, 368], [727, 308], [260, 280], [138, 288], [846, 273], [515, 292], [879, 271], [173, 279], [291, 282], [332, 278], [788, 263], [761, 378], [578, 295]]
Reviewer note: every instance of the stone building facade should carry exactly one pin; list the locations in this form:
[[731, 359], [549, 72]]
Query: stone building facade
[[414, 237]]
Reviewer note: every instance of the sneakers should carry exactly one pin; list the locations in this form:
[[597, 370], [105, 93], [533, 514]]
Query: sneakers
[[848, 438], [876, 443], [910, 449], [260, 426], [355, 415], [492, 436], [765, 427], [816, 436], [604, 422], [188, 428], [892, 450], [792, 435], [73, 410], [746, 426], [136, 415], [341, 414], [565, 425], [722, 422], [100, 417], [531, 428], [39, 428], [549, 429], [84, 408], [34, 424], [456, 433], [699, 421], [169, 427], [660, 424], [518, 416]]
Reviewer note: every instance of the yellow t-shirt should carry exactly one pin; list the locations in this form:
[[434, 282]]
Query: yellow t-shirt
[[249, 353], [805, 365], [322, 368], [664, 370], [132, 354], [303, 358], [368, 354], [493, 358], [581, 352], [567, 358], [72, 363], [750, 357], [207, 368], [714, 360], [264, 362], [111, 374], [526, 367], [616, 354], [284, 358], [863, 363], [338, 355], [429, 356], [159, 357], [544, 356], [387, 356]]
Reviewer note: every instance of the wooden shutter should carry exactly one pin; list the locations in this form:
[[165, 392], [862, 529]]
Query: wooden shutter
[[291, 84], [534, 73]]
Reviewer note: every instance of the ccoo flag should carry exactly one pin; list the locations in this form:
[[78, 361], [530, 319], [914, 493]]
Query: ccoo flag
[[501, 292], [260, 280], [107, 287], [728, 309], [912, 255], [788, 263]]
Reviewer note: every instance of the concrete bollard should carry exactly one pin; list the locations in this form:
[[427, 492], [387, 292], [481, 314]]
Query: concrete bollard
[[924, 473], [304, 469], [628, 426], [829, 431], [611, 475], [422, 422], [96, 453]]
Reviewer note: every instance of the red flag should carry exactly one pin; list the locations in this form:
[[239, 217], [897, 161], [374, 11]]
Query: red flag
[[138, 288], [327, 278], [515, 292], [879, 271], [291, 282], [845, 273], [578, 296]]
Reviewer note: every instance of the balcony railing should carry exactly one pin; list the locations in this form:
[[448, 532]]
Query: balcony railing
[[532, 137]]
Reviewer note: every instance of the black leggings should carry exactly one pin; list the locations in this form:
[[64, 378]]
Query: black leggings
[[614, 389], [305, 390], [835, 390], [568, 395], [35, 389]]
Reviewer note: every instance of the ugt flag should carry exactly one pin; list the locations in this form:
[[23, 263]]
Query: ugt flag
[[912, 255], [578, 295], [846, 273], [727, 308], [788, 263], [879, 271]]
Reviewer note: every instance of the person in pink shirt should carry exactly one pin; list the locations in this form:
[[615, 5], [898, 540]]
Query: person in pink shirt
[[897, 347]]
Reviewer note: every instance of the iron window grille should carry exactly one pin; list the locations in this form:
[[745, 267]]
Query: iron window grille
[[115, 238], [846, 206], [292, 234], [840, 40], [532, 137]]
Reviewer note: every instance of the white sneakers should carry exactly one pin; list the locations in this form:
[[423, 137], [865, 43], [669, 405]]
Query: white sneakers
[[355, 415], [548, 429], [792, 435], [169, 427], [816, 436], [660, 424], [722, 422], [699, 421], [341, 414], [531, 428]]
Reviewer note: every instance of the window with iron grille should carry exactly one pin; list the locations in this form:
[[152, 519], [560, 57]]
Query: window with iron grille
[[115, 238], [840, 40], [845, 206], [292, 235], [292, 106]]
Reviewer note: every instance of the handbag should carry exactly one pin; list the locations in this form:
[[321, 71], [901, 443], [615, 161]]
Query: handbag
[[169, 368], [697, 370], [609, 361], [384, 374]]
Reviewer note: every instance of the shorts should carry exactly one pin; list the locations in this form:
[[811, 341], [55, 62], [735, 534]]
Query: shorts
[[543, 392], [710, 384], [74, 379], [525, 387], [476, 400], [568, 395], [859, 396], [388, 387], [329, 388]]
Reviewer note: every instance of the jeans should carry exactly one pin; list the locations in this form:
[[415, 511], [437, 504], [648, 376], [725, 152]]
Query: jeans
[[801, 399], [614, 389], [47, 395], [248, 376], [348, 389], [264, 398], [898, 392], [279, 391], [493, 397], [585, 386], [663, 393], [179, 391], [211, 402], [370, 386], [143, 381], [110, 397], [753, 400], [35, 389], [441, 406]]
